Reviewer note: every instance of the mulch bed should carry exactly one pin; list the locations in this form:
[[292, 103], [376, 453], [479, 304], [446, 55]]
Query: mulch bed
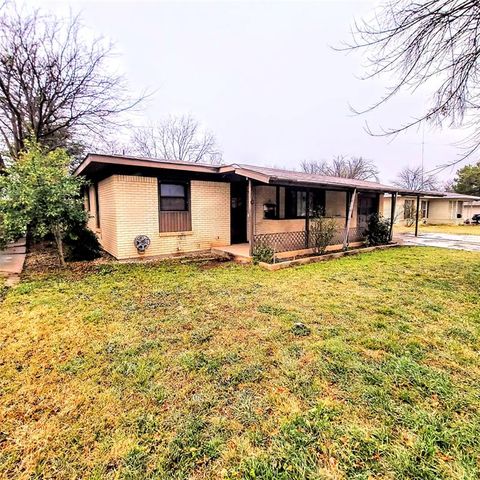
[[42, 259]]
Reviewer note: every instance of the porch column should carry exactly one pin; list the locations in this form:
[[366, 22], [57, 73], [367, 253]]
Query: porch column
[[417, 215], [392, 214], [250, 219], [307, 219], [349, 219]]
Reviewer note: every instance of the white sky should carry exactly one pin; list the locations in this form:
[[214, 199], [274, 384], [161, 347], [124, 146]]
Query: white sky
[[263, 77]]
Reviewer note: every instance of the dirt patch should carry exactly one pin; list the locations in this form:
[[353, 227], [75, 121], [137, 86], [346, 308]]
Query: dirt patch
[[42, 259]]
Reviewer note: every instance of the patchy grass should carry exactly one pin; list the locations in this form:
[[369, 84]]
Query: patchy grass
[[452, 229], [364, 367]]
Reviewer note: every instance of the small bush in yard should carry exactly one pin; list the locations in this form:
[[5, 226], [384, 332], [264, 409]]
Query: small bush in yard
[[263, 253], [322, 231], [378, 230]]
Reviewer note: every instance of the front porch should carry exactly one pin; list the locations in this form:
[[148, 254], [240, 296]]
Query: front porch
[[287, 245], [279, 217]]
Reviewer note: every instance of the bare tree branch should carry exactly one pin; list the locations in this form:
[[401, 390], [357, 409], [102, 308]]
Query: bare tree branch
[[54, 85], [416, 179], [341, 166], [428, 42], [177, 138]]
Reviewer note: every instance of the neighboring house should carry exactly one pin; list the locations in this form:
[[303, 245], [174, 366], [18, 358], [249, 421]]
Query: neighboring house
[[471, 208], [185, 207], [447, 209]]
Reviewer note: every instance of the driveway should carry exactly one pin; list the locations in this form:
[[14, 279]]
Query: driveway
[[12, 260], [443, 240]]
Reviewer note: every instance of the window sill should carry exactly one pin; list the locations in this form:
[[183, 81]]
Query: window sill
[[175, 234]]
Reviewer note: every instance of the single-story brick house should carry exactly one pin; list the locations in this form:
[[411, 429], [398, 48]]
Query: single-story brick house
[[449, 208], [184, 207]]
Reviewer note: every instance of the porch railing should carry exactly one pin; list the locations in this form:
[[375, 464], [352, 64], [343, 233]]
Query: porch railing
[[289, 241]]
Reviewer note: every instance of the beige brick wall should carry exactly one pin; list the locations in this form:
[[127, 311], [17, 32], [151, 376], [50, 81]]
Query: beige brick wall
[[129, 207], [91, 212], [106, 233], [107, 199]]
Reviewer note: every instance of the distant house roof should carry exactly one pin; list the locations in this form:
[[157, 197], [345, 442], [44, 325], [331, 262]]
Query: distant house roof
[[447, 196], [458, 196], [273, 176]]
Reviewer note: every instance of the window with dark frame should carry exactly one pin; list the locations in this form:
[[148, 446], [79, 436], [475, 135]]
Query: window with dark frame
[[296, 202], [174, 206], [173, 197]]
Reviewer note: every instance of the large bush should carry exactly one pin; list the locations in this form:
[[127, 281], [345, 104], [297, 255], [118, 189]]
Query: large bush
[[38, 194], [378, 230]]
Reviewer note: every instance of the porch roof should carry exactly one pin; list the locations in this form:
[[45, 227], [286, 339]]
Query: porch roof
[[277, 176], [272, 176]]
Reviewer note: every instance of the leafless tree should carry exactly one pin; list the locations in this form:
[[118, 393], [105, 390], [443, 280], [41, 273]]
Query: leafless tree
[[433, 43], [55, 85], [448, 185], [414, 178], [341, 166], [177, 138]]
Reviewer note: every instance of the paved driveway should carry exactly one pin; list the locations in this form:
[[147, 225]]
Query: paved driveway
[[443, 240], [12, 260]]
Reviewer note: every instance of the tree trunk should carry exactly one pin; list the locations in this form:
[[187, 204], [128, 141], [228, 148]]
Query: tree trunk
[[59, 241]]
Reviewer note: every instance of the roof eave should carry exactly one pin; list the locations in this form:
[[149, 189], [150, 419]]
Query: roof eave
[[142, 162]]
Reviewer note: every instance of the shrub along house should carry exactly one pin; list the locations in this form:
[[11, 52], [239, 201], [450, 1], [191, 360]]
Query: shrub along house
[[150, 207]]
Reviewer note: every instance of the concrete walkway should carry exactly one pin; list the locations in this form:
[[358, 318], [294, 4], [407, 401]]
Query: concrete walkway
[[442, 240], [12, 260]]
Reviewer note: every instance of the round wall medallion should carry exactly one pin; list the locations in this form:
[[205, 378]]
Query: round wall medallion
[[141, 243]]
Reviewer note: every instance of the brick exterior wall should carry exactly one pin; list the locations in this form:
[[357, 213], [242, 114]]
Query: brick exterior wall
[[90, 211], [129, 207], [107, 199]]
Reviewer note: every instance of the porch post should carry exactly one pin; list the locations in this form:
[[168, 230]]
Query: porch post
[[392, 214], [250, 216], [417, 215], [349, 219], [307, 219]]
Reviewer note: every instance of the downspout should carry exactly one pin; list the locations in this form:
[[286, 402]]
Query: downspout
[[349, 219]]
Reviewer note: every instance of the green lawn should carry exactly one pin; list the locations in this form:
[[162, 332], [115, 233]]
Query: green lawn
[[198, 370], [455, 229]]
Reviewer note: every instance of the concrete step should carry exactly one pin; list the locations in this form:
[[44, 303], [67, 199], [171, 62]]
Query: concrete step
[[12, 250]]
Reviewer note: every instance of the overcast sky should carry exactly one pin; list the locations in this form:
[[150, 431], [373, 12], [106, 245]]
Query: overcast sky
[[263, 77]]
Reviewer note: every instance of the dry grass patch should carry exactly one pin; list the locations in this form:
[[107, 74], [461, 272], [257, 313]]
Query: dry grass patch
[[174, 370]]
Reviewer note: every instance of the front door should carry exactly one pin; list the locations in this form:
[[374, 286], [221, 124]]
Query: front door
[[367, 205], [238, 212]]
